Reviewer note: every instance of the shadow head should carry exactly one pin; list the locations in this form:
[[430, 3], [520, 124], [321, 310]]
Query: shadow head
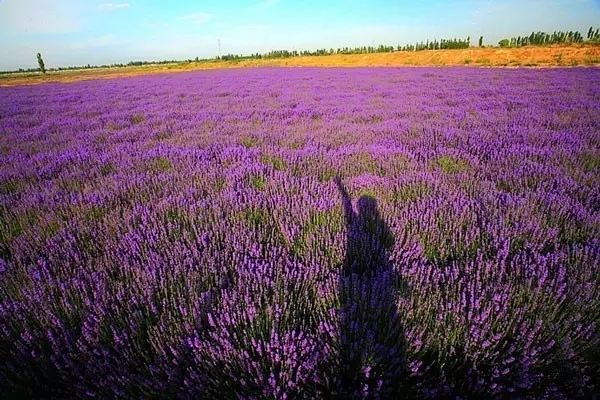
[[367, 205]]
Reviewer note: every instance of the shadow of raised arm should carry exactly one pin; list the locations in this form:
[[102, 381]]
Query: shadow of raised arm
[[346, 202]]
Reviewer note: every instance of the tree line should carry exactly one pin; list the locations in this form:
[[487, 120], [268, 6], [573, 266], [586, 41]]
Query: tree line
[[546, 39], [42, 68], [441, 44], [534, 39]]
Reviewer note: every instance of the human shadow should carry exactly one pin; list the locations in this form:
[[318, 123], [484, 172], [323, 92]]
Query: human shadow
[[373, 356]]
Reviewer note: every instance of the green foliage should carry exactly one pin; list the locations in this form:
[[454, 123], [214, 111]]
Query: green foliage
[[107, 169], [164, 164], [590, 161], [90, 215], [258, 182], [451, 165], [256, 216], [318, 225], [326, 174], [545, 39], [363, 161], [278, 54], [504, 186], [591, 60], [249, 142], [160, 164], [443, 246], [41, 63], [220, 182], [13, 225], [443, 44], [371, 119], [11, 186], [480, 41], [412, 192], [278, 163]]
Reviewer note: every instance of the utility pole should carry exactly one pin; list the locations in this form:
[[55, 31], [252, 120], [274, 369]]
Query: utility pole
[[219, 42]]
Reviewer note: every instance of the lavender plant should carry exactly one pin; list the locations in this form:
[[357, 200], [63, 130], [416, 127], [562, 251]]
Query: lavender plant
[[302, 233]]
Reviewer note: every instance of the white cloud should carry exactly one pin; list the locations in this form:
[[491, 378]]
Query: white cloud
[[197, 18], [112, 6]]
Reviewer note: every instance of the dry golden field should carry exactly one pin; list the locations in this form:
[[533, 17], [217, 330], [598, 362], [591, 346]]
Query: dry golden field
[[530, 56]]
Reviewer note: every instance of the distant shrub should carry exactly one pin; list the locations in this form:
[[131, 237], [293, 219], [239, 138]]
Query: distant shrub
[[559, 58], [591, 60]]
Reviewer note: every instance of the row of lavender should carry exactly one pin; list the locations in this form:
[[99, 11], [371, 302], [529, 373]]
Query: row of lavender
[[185, 235]]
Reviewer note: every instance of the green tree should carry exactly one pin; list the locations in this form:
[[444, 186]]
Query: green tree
[[41, 63], [503, 43], [480, 41]]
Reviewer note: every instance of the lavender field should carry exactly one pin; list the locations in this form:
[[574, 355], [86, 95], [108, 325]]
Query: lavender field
[[302, 233]]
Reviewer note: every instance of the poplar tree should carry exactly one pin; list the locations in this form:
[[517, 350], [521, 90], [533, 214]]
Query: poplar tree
[[41, 63]]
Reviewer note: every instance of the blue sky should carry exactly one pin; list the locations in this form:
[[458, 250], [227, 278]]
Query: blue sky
[[77, 32]]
